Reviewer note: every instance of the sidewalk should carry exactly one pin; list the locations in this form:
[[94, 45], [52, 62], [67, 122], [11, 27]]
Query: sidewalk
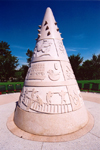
[[8, 141], [8, 98]]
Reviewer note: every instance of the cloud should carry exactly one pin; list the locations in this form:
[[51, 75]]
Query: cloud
[[20, 65], [75, 49], [82, 48], [70, 49], [23, 63], [19, 47], [18, 68], [20, 57]]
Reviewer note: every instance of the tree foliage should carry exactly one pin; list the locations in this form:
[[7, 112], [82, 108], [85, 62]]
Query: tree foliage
[[95, 66], [23, 70], [29, 54], [8, 62], [88, 70], [75, 63]]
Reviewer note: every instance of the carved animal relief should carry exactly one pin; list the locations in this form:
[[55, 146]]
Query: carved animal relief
[[35, 102], [42, 48], [53, 74], [62, 94]]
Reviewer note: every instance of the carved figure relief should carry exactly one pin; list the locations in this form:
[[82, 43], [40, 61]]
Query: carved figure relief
[[48, 97], [75, 97], [39, 100], [21, 95], [69, 72], [25, 95], [61, 52], [61, 47], [44, 47], [28, 101], [33, 94], [37, 72], [54, 76], [36, 103], [62, 94]]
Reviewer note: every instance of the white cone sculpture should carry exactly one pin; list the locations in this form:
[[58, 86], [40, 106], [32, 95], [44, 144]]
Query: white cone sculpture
[[50, 103]]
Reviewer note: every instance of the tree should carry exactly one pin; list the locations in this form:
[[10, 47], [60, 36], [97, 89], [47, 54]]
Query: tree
[[90, 69], [29, 54], [86, 71], [24, 70], [75, 63], [96, 66], [8, 62]]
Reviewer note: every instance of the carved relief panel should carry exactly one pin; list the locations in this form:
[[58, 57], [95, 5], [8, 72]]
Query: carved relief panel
[[67, 70], [75, 96], [36, 71], [61, 50], [52, 100], [54, 73], [44, 49], [46, 71]]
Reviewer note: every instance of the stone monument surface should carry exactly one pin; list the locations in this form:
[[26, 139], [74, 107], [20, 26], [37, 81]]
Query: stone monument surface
[[50, 103]]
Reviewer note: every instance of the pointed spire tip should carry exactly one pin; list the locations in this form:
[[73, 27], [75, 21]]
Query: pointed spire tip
[[48, 8], [49, 28]]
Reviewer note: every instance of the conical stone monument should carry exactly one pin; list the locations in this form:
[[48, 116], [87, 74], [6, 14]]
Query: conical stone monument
[[50, 103]]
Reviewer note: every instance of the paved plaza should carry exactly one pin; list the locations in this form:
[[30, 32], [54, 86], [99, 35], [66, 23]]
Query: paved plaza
[[9, 141]]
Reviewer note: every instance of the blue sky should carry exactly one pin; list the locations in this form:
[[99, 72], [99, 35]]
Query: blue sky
[[78, 21]]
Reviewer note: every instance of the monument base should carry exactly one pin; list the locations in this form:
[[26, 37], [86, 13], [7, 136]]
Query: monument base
[[50, 124]]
